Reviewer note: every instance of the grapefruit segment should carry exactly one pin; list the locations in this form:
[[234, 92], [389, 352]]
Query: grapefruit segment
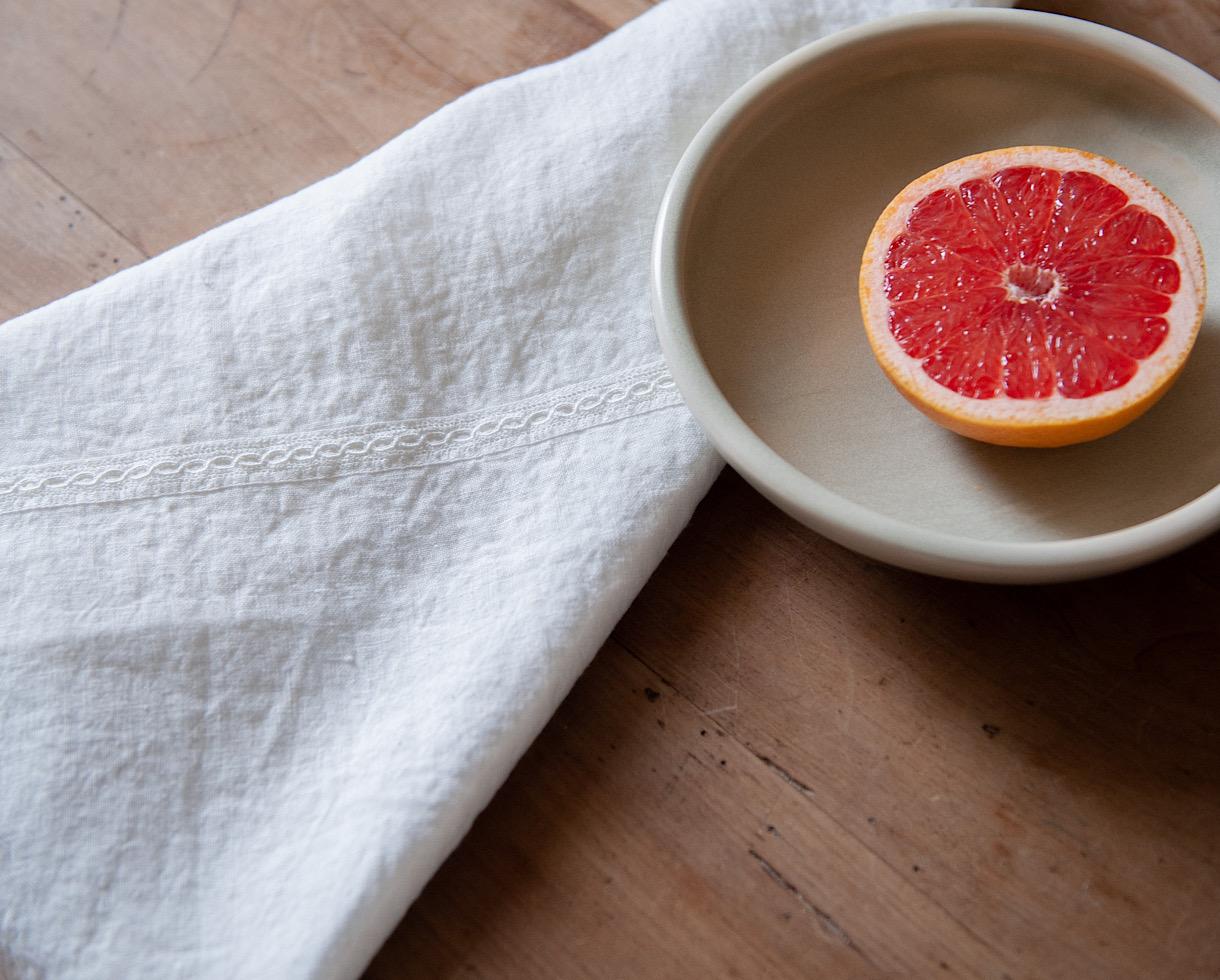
[[1034, 296]]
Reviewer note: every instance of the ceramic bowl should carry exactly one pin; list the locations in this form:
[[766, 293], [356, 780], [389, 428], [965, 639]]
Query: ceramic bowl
[[755, 264]]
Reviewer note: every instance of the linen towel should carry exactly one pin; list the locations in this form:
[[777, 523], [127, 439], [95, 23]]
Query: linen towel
[[307, 525]]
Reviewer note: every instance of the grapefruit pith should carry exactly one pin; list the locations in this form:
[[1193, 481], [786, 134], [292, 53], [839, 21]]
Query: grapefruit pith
[[1032, 296]]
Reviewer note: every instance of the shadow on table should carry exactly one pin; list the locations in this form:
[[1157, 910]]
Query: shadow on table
[[1097, 703], [1160, 462], [1113, 681]]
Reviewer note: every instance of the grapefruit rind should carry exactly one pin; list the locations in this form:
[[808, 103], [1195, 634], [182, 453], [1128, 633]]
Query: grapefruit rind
[[1055, 420]]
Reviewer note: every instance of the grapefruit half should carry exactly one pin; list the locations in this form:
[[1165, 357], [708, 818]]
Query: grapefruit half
[[1032, 296]]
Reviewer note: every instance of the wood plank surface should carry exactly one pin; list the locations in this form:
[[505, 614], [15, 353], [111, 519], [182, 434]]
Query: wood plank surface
[[1020, 782], [788, 761]]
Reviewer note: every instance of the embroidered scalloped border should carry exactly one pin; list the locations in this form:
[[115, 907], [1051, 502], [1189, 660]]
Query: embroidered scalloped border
[[326, 453]]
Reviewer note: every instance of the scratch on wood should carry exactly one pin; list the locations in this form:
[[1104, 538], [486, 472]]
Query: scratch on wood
[[825, 919], [119, 17], [736, 664], [404, 39], [785, 775], [1055, 825], [589, 19], [723, 709], [850, 709], [794, 636], [224, 37], [1172, 938]]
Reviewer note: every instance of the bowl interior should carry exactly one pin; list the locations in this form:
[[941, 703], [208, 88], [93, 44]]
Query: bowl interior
[[770, 250]]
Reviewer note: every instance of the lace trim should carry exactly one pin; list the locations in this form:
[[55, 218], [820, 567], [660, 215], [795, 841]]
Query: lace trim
[[335, 452]]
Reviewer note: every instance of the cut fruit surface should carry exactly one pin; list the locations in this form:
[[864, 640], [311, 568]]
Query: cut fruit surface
[[1032, 296]]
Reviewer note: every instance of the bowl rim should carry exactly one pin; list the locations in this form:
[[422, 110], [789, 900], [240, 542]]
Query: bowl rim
[[826, 511]]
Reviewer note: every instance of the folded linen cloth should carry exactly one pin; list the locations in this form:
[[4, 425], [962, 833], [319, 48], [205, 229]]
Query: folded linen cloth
[[307, 525]]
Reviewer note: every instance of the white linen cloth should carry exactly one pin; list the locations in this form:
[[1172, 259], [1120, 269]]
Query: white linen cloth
[[307, 525]]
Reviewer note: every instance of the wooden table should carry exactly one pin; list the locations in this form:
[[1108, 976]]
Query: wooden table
[[788, 761]]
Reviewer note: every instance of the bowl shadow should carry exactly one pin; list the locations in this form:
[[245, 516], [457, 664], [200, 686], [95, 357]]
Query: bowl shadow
[[1161, 461]]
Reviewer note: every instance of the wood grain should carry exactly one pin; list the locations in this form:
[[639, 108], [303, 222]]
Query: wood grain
[[788, 761], [1189, 27], [1008, 782]]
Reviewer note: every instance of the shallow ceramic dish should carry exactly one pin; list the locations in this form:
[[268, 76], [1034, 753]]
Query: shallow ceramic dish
[[754, 290]]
